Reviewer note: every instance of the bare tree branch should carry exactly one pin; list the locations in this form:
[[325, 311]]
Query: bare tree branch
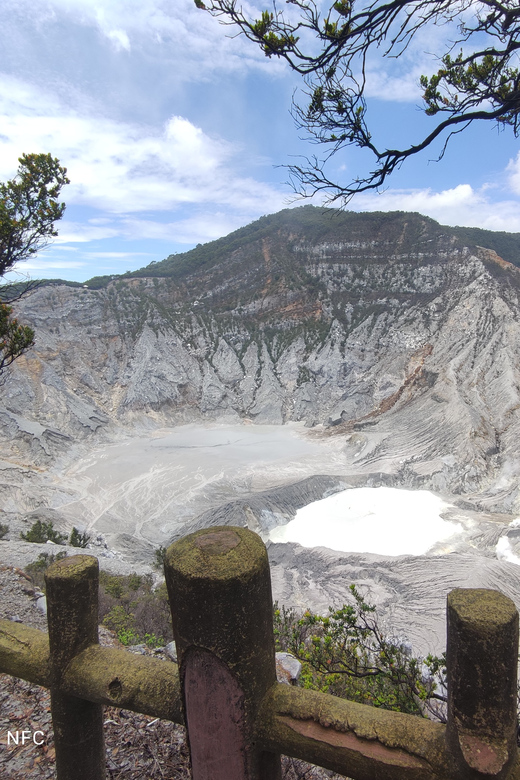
[[469, 86]]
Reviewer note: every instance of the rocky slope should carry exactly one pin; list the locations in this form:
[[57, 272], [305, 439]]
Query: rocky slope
[[395, 339], [385, 328]]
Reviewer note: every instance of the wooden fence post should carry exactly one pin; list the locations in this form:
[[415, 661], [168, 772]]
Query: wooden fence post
[[482, 658], [219, 589], [72, 613]]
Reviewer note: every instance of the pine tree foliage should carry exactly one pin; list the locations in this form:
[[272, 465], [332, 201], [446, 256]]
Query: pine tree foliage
[[28, 210]]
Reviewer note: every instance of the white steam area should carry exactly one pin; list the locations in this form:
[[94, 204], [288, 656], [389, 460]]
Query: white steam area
[[504, 549], [384, 521]]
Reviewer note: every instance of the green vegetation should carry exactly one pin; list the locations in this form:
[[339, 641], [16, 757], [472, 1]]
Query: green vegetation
[[160, 554], [28, 211], [316, 224], [304, 375], [15, 339], [78, 539], [42, 532], [137, 614], [288, 230], [346, 653], [206, 256], [36, 570], [506, 245], [4, 530]]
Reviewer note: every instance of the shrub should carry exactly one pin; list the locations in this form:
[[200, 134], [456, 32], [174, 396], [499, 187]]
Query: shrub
[[78, 539], [4, 529], [346, 653], [154, 641], [152, 615], [130, 607], [160, 554], [43, 532], [36, 570], [134, 581], [122, 622], [114, 586]]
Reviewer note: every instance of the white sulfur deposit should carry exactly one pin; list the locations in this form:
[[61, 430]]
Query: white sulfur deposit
[[385, 521]]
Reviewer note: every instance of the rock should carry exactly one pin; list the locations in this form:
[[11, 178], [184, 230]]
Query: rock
[[414, 346], [288, 668], [41, 604], [170, 650], [140, 649]]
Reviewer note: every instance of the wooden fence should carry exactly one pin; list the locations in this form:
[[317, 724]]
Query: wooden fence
[[238, 718]]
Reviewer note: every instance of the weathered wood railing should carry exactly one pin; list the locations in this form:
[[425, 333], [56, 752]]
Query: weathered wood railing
[[238, 718]]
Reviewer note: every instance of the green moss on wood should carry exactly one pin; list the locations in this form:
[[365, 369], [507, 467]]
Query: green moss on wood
[[488, 611], [107, 675], [350, 738], [195, 560], [24, 652], [74, 568]]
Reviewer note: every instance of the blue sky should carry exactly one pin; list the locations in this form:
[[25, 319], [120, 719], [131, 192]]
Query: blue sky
[[171, 129]]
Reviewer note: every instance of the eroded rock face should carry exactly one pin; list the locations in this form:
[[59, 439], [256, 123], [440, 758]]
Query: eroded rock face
[[395, 336]]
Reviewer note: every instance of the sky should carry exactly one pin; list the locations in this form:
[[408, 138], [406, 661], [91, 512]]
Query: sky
[[173, 131]]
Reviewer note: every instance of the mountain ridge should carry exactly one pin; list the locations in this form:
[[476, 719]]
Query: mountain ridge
[[387, 330], [506, 245]]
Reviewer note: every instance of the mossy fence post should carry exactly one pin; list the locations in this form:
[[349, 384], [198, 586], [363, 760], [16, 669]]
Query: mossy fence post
[[482, 661], [72, 614], [220, 596]]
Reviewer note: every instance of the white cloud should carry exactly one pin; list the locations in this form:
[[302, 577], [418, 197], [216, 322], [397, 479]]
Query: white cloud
[[79, 232], [402, 89], [175, 32], [200, 228], [206, 225], [125, 167], [513, 170], [461, 205], [47, 263], [119, 39], [118, 255]]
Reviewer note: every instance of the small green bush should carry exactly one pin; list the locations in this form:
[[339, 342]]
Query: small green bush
[[122, 622], [134, 581], [127, 637], [160, 554], [154, 641], [78, 539], [41, 532], [36, 570], [4, 529], [115, 588], [137, 614], [346, 653]]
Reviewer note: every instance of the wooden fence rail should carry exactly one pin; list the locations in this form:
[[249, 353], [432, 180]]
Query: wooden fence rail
[[238, 718]]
